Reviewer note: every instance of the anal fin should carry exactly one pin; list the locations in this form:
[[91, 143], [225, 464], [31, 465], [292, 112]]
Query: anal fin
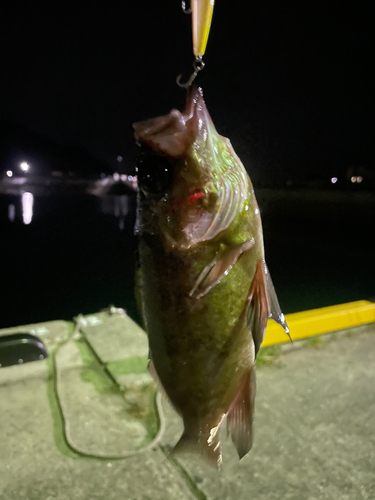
[[240, 414]]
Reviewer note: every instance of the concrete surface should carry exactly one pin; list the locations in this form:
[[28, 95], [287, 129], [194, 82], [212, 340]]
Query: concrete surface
[[315, 423]]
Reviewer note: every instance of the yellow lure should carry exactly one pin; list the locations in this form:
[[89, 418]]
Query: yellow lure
[[201, 12]]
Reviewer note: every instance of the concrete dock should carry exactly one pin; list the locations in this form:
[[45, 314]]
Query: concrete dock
[[87, 422]]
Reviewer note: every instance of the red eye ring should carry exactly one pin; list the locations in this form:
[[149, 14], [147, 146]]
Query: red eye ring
[[195, 196]]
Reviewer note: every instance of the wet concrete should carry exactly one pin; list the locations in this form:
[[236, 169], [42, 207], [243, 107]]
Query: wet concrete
[[315, 424]]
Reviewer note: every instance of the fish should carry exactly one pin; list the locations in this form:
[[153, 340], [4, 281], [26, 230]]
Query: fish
[[204, 287]]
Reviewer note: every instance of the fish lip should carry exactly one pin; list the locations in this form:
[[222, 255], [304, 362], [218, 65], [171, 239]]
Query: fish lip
[[194, 100], [174, 134]]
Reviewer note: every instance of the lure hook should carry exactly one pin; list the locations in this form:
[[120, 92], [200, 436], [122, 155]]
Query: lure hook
[[185, 10], [198, 65]]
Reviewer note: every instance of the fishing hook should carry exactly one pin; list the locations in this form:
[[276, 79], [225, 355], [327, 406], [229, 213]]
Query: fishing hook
[[198, 65], [184, 9]]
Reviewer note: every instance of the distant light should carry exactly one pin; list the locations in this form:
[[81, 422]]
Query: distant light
[[119, 158], [334, 180], [130, 177], [9, 173], [24, 166], [116, 176], [27, 207], [359, 178], [353, 179]]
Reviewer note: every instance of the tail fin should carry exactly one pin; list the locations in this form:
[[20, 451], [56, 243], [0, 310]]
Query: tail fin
[[206, 447]]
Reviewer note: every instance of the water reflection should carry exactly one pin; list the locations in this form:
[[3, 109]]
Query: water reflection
[[117, 195], [27, 207], [11, 212], [117, 205]]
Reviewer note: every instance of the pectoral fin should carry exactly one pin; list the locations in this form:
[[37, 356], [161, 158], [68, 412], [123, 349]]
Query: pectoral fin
[[215, 271]]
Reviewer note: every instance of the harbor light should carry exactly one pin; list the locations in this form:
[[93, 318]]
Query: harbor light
[[334, 180], [359, 179], [9, 173], [24, 166]]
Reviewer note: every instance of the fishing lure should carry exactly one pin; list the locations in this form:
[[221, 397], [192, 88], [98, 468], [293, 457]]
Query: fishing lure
[[201, 17]]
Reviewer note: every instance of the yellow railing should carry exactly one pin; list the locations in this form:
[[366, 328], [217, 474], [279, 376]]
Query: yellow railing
[[324, 320]]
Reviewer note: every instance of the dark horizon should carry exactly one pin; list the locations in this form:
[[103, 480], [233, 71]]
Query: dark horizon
[[291, 87], [46, 157], [20, 144]]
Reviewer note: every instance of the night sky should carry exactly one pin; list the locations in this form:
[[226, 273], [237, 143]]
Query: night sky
[[291, 86]]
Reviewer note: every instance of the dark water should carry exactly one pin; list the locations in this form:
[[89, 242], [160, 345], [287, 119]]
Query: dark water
[[319, 246], [76, 255]]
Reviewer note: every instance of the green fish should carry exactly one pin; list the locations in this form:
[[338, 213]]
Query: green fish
[[205, 290]]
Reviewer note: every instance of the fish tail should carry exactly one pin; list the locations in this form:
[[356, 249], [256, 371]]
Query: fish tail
[[208, 448]]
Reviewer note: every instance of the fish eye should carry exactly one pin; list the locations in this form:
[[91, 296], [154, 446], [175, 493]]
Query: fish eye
[[155, 174]]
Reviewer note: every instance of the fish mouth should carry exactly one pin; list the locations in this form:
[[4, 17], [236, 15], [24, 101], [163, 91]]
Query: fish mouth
[[174, 134], [194, 103]]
